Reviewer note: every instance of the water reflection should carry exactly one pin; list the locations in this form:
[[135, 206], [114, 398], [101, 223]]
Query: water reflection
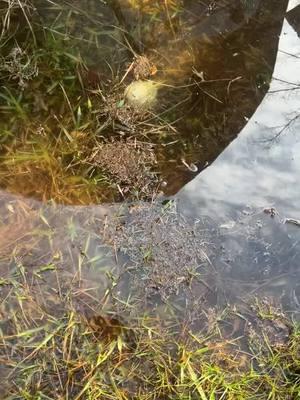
[[259, 170]]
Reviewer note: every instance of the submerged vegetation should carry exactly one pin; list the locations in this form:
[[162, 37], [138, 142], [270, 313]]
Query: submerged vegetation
[[66, 74], [75, 356], [115, 303], [77, 325]]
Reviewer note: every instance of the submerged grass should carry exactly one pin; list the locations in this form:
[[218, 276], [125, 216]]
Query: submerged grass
[[58, 116], [73, 355], [69, 327], [60, 76]]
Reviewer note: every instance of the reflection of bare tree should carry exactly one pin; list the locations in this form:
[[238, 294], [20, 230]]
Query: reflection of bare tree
[[293, 17], [295, 86], [285, 127]]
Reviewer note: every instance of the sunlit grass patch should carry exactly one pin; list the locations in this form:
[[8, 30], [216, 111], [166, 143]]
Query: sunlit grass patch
[[75, 167], [44, 170]]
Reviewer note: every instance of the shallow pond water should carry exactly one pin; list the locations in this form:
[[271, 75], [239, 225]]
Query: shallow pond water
[[65, 94], [195, 257], [251, 191], [227, 204]]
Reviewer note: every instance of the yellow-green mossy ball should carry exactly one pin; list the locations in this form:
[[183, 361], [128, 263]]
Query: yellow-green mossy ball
[[141, 94]]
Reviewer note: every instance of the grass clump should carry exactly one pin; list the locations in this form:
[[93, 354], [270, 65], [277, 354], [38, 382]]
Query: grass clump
[[166, 254], [85, 355]]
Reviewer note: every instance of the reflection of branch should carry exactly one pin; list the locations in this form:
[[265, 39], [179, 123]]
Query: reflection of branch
[[284, 128], [287, 82], [289, 54], [296, 86], [284, 90]]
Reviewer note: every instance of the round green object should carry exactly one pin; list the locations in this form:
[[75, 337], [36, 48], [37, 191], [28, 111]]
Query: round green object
[[141, 94]]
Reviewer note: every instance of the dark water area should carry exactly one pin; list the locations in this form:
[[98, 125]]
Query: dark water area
[[213, 62]]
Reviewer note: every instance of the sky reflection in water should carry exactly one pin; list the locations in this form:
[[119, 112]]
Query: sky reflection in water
[[259, 170]]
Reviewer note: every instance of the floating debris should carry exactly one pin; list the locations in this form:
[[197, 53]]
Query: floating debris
[[292, 221], [128, 164], [191, 167], [165, 250], [271, 211]]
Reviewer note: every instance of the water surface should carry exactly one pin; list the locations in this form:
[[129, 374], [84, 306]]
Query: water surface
[[199, 261], [258, 172], [214, 64]]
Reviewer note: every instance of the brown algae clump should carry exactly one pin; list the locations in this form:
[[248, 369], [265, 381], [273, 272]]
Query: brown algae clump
[[129, 164]]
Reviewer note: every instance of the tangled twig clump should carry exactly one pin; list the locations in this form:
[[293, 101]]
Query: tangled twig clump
[[165, 250], [129, 164]]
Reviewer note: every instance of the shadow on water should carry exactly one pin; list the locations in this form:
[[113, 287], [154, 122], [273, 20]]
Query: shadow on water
[[213, 64]]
